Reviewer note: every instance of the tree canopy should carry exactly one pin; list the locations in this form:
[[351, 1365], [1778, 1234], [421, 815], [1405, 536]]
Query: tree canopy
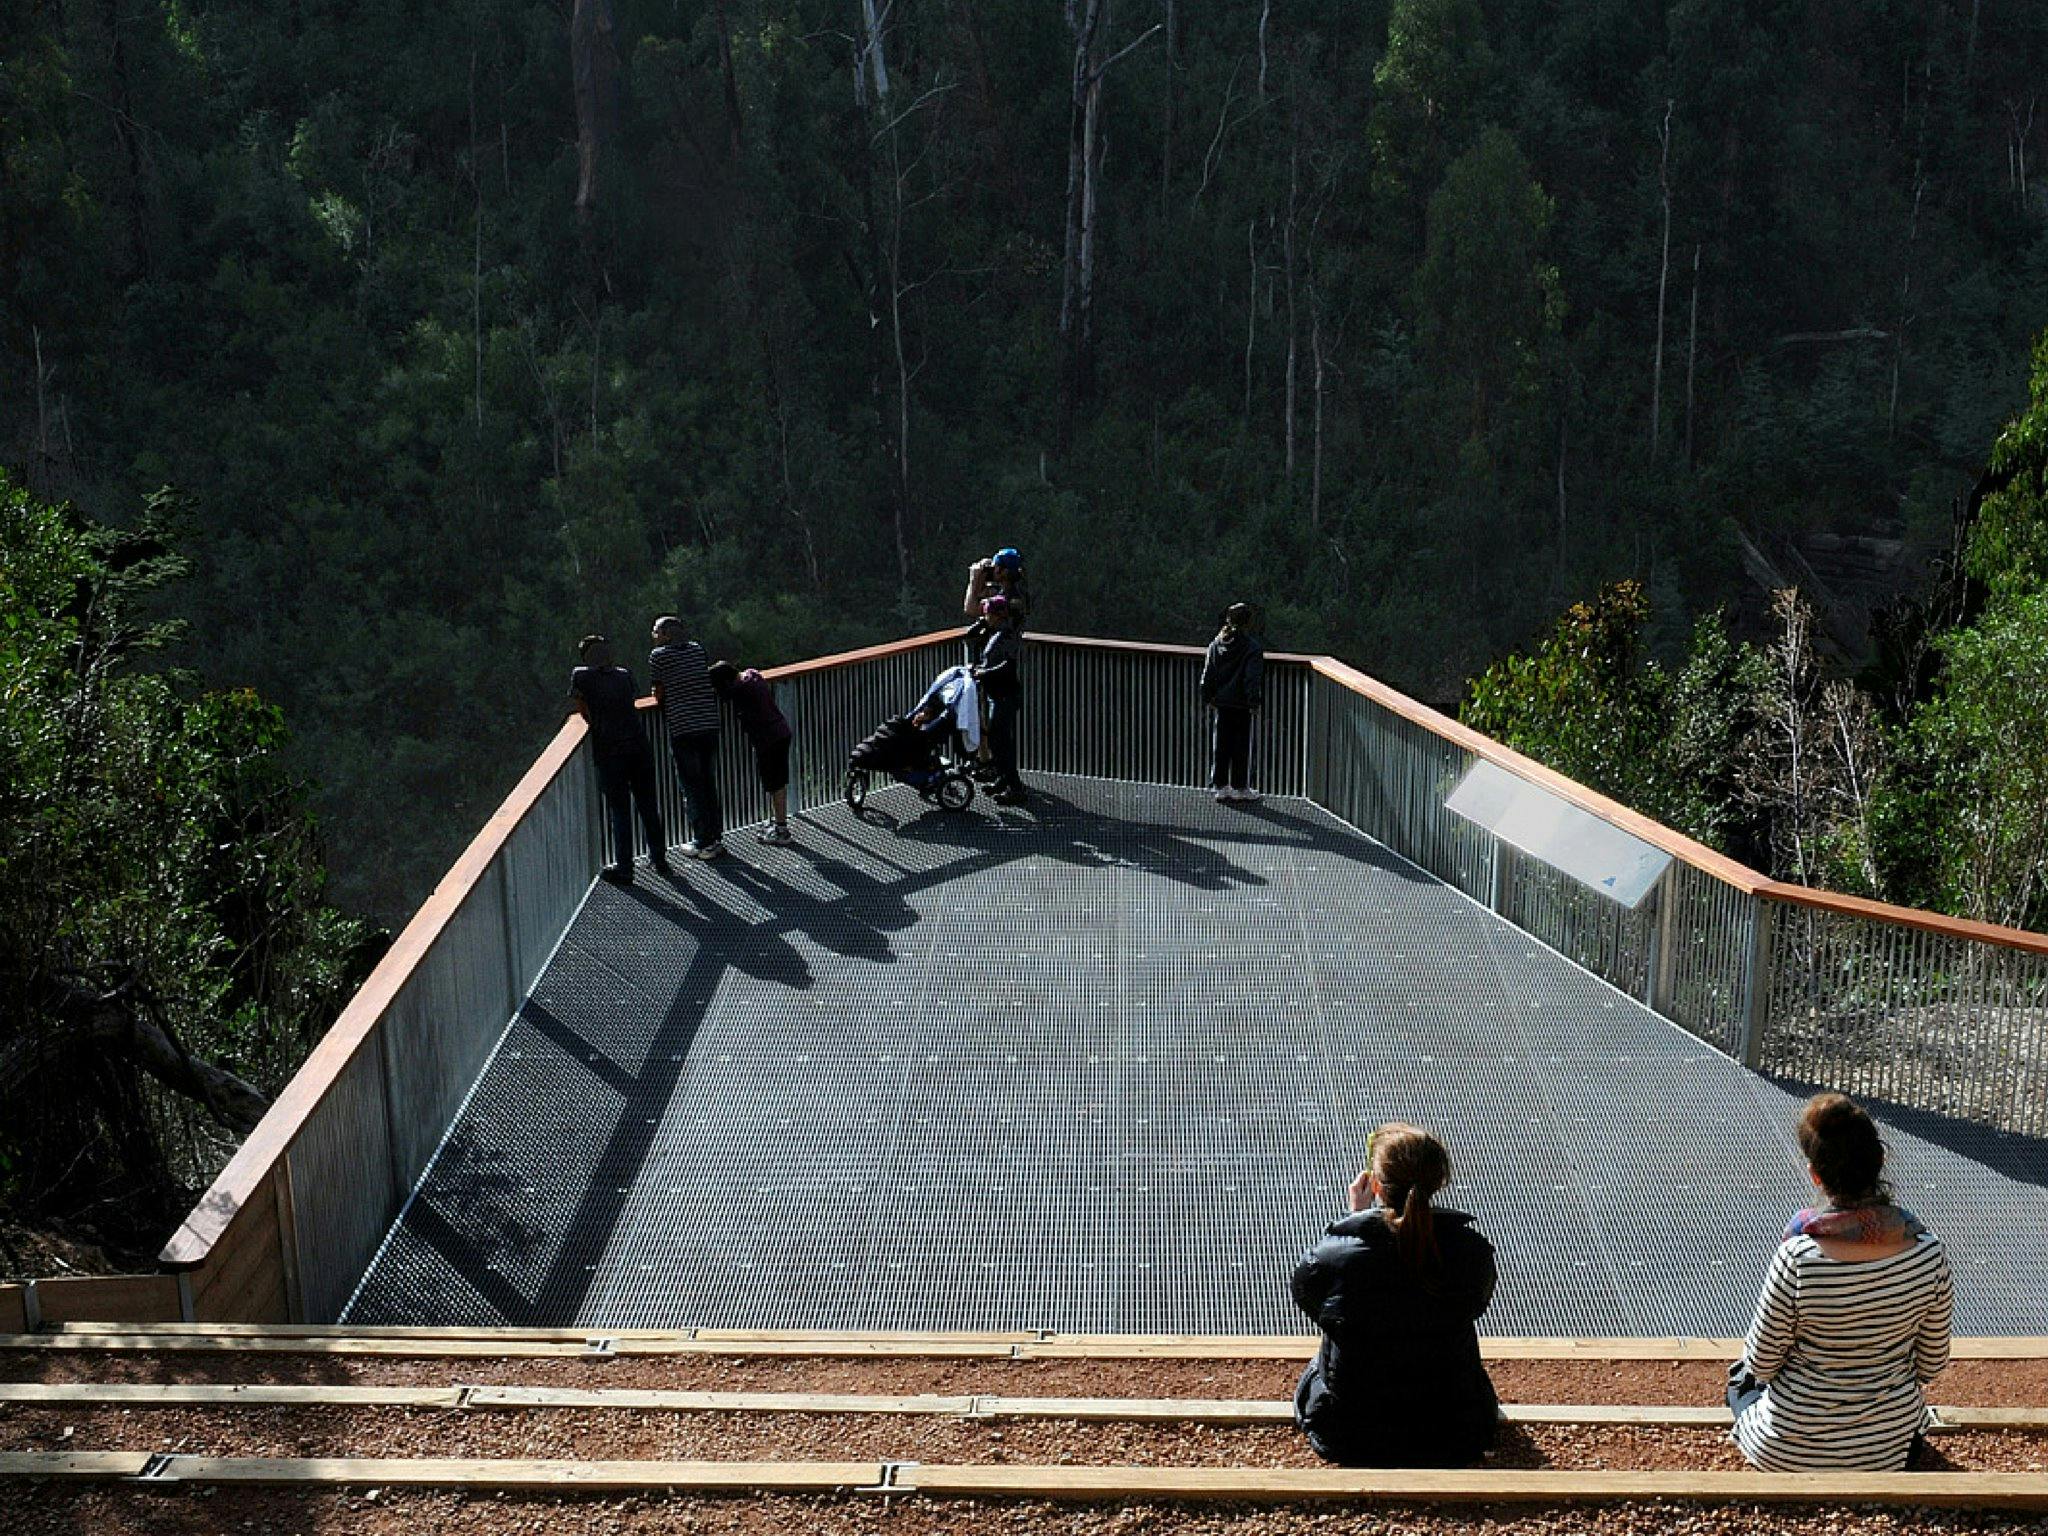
[[166, 950], [468, 329]]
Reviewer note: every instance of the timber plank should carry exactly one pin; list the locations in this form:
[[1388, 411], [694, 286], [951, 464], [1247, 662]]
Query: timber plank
[[1137, 1410], [1165, 1410], [479, 1472], [717, 1402], [74, 1464], [1974, 1490], [118, 1299], [452, 1349], [520, 1343], [163, 1394], [286, 1331]]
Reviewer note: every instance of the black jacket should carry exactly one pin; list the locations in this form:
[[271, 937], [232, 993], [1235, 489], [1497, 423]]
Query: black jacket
[[1001, 661], [1234, 672], [1398, 1380]]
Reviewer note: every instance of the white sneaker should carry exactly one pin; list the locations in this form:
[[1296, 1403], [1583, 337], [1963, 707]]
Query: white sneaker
[[690, 850], [776, 835], [710, 851], [1219, 795], [1248, 795]]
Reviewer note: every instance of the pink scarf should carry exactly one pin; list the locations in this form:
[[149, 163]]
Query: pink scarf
[[1878, 1222]]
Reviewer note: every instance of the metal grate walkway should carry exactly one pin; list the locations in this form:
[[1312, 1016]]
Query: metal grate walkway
[[1107, 1067]]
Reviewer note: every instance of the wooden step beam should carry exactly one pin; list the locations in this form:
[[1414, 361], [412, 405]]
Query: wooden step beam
[[1164, 1410], [483, 1343], [82, 1466], [1101, 1484], [1962, 1490]]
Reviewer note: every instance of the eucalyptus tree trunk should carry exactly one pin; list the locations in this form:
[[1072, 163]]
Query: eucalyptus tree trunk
[[1692, 350], [594, 69], [1085, 19], [1088, 20], [1663, 282], [884, 270], [1293, 206], [1170, 110], [734, 128]]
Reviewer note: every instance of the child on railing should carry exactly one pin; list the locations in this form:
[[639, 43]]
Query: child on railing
[[752, 698]]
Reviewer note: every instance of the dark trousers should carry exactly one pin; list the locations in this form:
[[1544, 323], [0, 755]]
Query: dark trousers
[[1230, 765], [1002, 742], [627, 783], [696, 755]]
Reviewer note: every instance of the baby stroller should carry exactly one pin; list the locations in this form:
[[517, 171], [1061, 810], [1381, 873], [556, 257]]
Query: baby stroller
[[921, 748]]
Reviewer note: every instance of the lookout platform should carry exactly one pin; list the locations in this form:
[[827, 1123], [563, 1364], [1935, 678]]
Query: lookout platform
[[1106, 1066]]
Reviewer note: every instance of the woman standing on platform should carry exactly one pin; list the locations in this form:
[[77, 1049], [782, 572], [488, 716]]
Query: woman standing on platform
[[1397, 1288], [1854, 1317]]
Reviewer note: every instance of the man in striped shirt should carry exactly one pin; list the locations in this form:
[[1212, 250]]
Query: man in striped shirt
[[689, 707]]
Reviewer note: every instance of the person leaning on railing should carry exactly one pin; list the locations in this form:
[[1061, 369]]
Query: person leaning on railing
[[752, 698], [606, 697], [1853, 1320], [682, 688], [1397, 1288]]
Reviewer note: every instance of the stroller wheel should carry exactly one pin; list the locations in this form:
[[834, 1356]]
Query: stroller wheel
[[856, 789], [956, 792]]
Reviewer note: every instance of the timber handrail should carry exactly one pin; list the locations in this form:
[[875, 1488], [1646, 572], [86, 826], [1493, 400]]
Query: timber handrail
[[259, 1154], [1688, 850], [847, 658]]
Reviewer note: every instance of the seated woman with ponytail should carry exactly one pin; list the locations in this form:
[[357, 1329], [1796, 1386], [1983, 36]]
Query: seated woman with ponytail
[[1396, 1288], [1853, 1320]]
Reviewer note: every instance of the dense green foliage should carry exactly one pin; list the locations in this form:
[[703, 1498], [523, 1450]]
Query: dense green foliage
[[1411, 320], [166, 954], [1930, 790]]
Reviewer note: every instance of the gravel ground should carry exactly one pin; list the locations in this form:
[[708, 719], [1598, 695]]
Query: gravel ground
[[48, 1510], [665, 1436], [1977, 1383]]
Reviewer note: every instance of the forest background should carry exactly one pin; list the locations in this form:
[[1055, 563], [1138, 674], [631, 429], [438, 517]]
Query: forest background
[[456, 331]]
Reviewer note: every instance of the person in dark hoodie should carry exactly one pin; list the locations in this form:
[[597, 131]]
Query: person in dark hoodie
[[1233, 686], [997, 673], [1397, 1288]]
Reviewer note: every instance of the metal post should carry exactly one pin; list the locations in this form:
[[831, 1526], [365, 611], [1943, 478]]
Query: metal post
[[1657, 984], [1756, 1005], [1493, 877]]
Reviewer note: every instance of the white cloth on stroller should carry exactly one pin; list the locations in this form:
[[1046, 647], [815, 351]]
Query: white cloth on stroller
[[955, 691]]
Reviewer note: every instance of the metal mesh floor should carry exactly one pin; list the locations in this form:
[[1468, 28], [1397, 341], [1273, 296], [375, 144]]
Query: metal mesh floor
[[1107, 1067]]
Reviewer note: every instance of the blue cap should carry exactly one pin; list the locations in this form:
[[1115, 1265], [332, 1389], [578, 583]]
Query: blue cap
[[1009, 559]]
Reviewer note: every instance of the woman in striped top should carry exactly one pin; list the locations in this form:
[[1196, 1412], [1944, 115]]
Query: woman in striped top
[[1853, 1320]]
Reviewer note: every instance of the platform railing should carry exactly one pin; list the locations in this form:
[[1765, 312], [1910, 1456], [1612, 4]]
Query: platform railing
[[295, 1216], [1906, 1007]]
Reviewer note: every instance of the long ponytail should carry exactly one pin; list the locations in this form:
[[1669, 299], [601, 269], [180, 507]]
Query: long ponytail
[[1411, 1166], [1415, 1236]]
